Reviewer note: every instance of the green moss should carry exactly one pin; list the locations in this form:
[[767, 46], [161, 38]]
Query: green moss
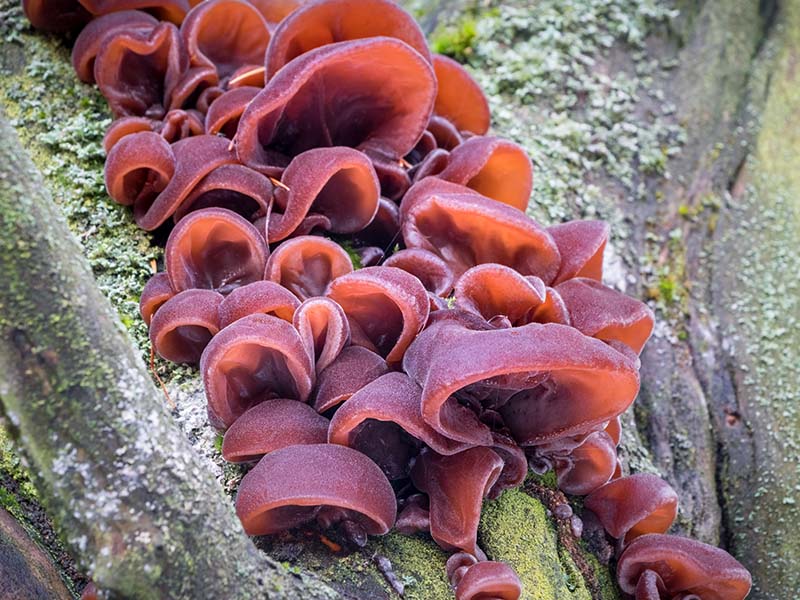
[[419, 564], [455, 39]]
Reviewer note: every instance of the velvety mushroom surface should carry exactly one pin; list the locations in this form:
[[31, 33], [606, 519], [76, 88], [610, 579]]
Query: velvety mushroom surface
[[378, 323]]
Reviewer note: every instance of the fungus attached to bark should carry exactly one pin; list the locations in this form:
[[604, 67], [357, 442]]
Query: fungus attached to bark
[[182, 327], [306, 265]]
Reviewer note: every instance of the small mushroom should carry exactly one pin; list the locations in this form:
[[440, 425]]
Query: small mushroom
[[265, 297], [324, 329], [306, 265], [185, 324], [459, 98], [351, 371]]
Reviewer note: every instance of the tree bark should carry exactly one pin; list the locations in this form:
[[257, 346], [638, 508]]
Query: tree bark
[[134, 501]]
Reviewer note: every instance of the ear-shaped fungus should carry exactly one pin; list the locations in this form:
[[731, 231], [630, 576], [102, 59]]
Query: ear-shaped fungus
[[636, 505], [598, 311], [275, 11], [143, 170], [374, 94], [294, 485], [500, 295], [426, 266], [156, 291], [459, 99], [165, 10], [324, 22], [264, 297], [383, 420], [337, 183], [222, 36], [324, 330], [352, 370], [581, 244], [588, 466], [184, 325], [306, 265], [386, 308], [482, 580], [270, 426], [547, 381], [466, 229], [257, 358], [225, 111], [216, 249], [456, 486], [493, 167], [682, 567], [178, 124], [55, 15]]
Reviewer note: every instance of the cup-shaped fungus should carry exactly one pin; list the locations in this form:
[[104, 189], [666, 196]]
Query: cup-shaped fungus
[[225, 111], [484, 580], [221, 36], [165, 10], [493, 167], [270, 426], [581, 244], [352, 370], [677, 567], [386, 307], [459, 99], [215, 249], [598, 311], [426, 266], [374, 94], [383, 420], [588, 466], [336, 183], [466, 229], [156, 291], [184, 325], [323, 22], [56, 15], [306, 265], [294, 485], [635, 505], [324, 329], [456, 486], [265, 297], [257, 358]]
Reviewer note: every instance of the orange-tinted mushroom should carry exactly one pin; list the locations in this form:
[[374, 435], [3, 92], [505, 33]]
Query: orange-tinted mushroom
[[604, 313], [259, 297], [306, 265], [156, 291], [374, 94], [56, 15], [270, 426], [466, 229], [684, 567], [444, 132], [215, 249], [588, 466], [293, 485], [352, 370], [383, 420], [323, 22], [426, 266], [581, 244], [635, 505], [178, 124], [456, 486], [184, 325], [225, 111], [165, 10], [337, 183], [386, 307], [324, 329], [257, 358], [488, 579], [459, 98], [500, 295], [494, 167]]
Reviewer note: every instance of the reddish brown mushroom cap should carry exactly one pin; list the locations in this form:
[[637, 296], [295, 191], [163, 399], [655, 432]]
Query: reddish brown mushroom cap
[[374, 94], [352, 370], [324, 329], [306, 265], [581, 244], [489, 579], [386, 307], [636, 505], [426, 266], [226, 110], [493, 167], [459, 98], [287, 487], [55, 15], [336, 183], [257, 358], [184, 325], [264, 297], [225, 35], [216, 249], [445, 133], [456, 486], [588, 466], [599, 311], [323, 22], [274, 11], [466, 229], [165, 10], [156, 291], [499, 294], [685, 567], [373, 419], [270, 426]]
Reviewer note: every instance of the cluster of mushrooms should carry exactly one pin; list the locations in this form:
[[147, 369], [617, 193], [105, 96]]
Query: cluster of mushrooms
[[470, 344]]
